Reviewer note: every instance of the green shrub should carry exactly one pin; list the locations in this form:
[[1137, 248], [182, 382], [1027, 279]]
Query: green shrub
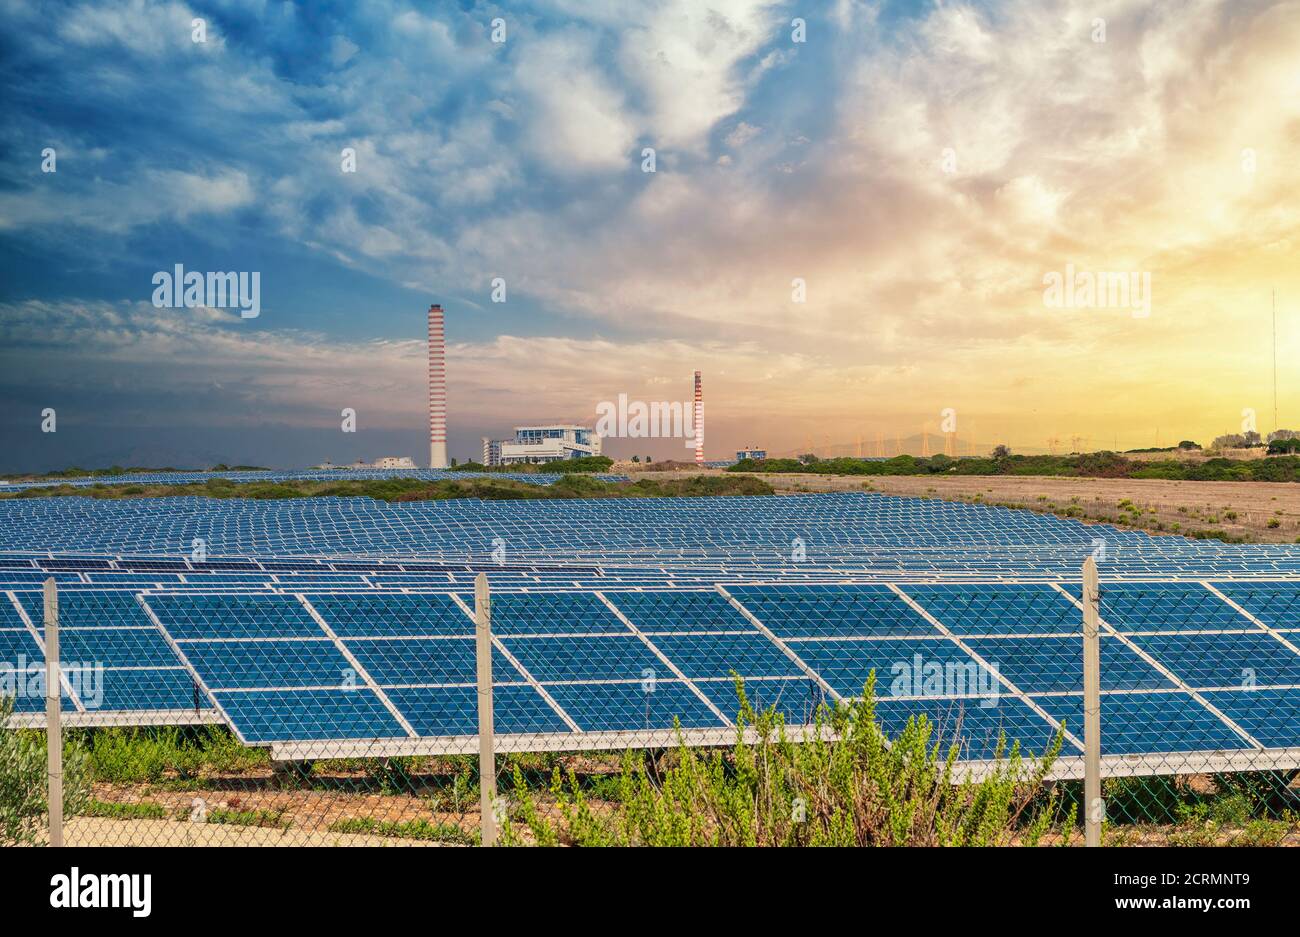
[[148, 755], [24, 782], [857, 788]]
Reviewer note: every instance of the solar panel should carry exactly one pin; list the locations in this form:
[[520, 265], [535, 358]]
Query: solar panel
[[627, 706], [835, 611], [453, 711], [1270, 716], [975, 729], [1054, 664], [96, 608], [130, 690], [335, 619], [1224, 659], [267, 716], [1274, 604]]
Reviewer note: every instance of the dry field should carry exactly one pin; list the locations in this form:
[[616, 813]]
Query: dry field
[[1257, 512]]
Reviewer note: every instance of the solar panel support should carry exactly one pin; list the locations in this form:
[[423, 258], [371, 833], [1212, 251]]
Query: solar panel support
[[53, 713], [1095, 806], [487, 770]]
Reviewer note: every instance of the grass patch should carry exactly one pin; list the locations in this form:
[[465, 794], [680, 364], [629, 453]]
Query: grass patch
[[270, 819], [176, 753], [410, 829], [113, 810]]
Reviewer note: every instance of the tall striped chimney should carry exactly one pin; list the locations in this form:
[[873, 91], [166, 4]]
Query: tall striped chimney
[[437, 390], [699, 421]]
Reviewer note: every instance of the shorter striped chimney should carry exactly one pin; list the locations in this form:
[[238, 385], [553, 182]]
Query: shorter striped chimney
[[699, 421]]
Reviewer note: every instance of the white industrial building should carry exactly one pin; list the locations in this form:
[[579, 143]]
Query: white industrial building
[[386, 462], [394, 462], [540, 444]]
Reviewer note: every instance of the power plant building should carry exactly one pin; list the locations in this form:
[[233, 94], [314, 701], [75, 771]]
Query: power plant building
[[537, 445]]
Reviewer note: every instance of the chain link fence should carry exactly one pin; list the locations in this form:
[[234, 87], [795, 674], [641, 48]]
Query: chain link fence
[[769, 714]]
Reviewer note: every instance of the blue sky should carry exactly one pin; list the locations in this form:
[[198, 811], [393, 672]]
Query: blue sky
[[522, 159]]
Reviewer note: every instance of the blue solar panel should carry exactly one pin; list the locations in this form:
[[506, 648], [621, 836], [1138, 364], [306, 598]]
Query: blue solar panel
[[797, 700], [19, 647], [98, 608], [623, 707], [9, 617], [392, 615], [1179, 606], [559, 613], [1272, 717], [353, 556], [115, 647], [233, 616], [295, 715], [717, 655], [131, 690], [1224, 659], [903, 668], [973, 727], [1275, 604], [442, 711], [597, 658], [679, 611], [426, 660], [1144, 723], [1055, 664], [31, 698], [832, 611], [969, 609], [303, 662]]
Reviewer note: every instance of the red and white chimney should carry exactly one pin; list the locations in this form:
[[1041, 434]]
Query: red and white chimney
[[699, 421], [437, 390]]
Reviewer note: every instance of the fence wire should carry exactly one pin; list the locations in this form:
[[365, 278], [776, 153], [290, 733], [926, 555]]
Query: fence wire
[[765, 714]]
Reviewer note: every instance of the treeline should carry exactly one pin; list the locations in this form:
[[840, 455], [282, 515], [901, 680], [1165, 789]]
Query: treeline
[[1090, 465]]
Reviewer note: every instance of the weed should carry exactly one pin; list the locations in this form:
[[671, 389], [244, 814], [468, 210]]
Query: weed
[[846, 785], [409, 829]]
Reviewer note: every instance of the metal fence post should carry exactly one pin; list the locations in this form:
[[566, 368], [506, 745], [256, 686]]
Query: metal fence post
[[53, 713], [1094, 806], [487, 769]]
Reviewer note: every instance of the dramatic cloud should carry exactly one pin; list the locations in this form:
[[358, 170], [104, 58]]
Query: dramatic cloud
[[847, 234]]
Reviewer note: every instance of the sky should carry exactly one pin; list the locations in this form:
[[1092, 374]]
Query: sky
[[855, 219]]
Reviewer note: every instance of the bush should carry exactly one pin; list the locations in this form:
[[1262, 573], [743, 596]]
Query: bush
[[23, 782], [859, 789]]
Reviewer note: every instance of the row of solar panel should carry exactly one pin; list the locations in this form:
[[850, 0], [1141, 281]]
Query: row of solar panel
[[278, 673], [795, 610], [856, 532], [255, 567], [193, 478]]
